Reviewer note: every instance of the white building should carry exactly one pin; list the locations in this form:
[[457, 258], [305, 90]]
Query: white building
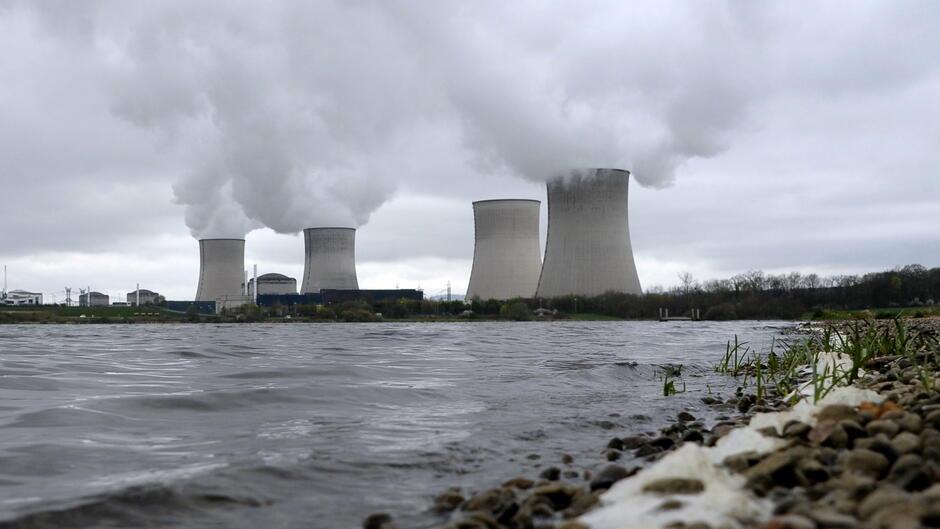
[[21, 297]]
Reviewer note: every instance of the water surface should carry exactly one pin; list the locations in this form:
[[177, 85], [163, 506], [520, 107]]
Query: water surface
[[317, 425]]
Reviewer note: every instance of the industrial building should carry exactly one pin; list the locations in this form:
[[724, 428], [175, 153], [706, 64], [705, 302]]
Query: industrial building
[[330, 260], [21, 297], [93, 299], [587, 250], [143, 297], [221, 269], [273, 284], [506, 254]]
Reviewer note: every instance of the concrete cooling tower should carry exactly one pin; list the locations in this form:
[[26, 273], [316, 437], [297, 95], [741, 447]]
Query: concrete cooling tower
[[221, 268], [506, 256], [588, 252], [330, 260]]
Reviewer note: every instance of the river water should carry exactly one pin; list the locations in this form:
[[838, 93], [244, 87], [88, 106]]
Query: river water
[[318, 425]]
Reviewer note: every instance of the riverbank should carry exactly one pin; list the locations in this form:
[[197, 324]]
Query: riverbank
[[837, 428]]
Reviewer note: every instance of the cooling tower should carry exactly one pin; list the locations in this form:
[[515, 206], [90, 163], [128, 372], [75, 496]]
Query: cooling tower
[[506, 256], [221, 268], [587, 251], [330, 260]]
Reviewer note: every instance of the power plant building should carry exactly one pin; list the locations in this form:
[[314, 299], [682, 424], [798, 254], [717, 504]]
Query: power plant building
[[20, 297], [146, 297], [221, 268], [93, 299], [273, 284], [506, 253], [588, 250], [330, 260]]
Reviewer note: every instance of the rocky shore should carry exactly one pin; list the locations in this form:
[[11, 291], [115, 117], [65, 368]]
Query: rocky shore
[[866, 456]]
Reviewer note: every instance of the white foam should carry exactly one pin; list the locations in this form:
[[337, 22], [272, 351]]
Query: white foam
[[724, 498]]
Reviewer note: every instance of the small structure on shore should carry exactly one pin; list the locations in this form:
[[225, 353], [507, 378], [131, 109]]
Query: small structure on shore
[[273, 284], [93, 299], [21, 297], [143, 297]]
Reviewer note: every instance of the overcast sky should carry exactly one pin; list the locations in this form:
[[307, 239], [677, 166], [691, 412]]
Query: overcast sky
[[776, 136]]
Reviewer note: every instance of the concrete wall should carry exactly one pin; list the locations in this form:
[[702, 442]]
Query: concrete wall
[[221, 268], [506, 253], [330, 260], [588, 251]]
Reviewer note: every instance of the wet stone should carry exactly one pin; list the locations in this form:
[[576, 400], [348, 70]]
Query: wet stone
[[796, 429], [610, 475], [551, 473], [790, 521], [495, 501], [379, 520], [613, 455], [519, 483], [837, 412], [878, 444], [910, 422], [853, 429], [866, 462], [674, 486], [832, 519], [693, 436], [448, 501], [685, 416], [878, 426], [567, 459], [670, 505], [906, 443], [632, 442], [647, 450], [883, 496], [663, 442], [743, 461]]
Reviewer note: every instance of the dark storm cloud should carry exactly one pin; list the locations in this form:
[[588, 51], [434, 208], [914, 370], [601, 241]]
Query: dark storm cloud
[[787, 139]]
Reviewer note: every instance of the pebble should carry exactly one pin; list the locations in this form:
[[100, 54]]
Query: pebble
[[610, 475], [883, 496], [448, 501], [685, 416], [378, 521], [520, 483], [886, 427], [551, 473], [674, 486], [866, 462], [837, 412], [790, 521], [906, 443]]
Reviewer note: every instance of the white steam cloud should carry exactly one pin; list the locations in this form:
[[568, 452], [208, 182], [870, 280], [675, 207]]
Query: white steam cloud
[[291, 114]]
